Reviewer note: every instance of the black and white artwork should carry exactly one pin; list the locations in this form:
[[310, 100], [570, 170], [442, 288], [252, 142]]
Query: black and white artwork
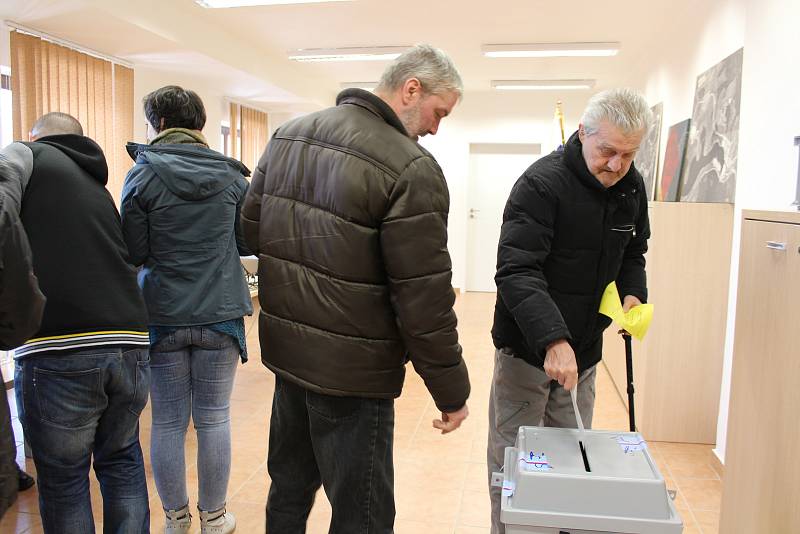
[[646, 160], [710, 167]]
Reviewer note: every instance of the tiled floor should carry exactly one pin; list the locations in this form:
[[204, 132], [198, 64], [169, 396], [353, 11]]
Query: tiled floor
[[440, 480]]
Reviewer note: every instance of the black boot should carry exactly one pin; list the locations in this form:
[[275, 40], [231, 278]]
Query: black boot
[[25, 480]]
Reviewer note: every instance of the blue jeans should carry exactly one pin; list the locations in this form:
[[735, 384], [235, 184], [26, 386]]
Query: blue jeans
[[343, 443], [193, 370], [75, 405]]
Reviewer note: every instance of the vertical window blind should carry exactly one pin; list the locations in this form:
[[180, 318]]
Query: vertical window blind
[[253, 125], [47, 77]]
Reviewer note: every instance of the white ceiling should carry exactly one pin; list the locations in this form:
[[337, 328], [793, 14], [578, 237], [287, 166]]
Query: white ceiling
[[244, 49]]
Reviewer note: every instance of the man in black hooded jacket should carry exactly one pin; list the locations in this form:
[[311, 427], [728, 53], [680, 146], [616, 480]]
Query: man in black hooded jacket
[[83, 378], [575, 221]]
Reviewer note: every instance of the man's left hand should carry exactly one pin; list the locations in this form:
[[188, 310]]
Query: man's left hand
[[629, 302]]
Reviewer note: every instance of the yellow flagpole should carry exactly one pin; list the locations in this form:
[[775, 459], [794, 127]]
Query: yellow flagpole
[[560, 118]]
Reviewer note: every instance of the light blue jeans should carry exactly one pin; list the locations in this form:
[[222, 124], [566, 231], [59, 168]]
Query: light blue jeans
[[192, 372]]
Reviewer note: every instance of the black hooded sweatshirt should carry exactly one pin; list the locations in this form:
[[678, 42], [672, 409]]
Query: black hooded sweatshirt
[[79, 255]]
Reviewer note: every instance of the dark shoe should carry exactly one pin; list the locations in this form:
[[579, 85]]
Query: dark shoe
[[26, 481]]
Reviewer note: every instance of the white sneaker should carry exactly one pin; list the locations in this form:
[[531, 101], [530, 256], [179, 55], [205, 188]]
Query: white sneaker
[[178, 521], [217, 522]]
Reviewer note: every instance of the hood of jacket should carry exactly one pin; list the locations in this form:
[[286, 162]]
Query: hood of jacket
[[83, 151], [191, 172]]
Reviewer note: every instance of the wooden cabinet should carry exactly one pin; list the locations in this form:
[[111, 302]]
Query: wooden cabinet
[[678, 366], [761, 486]]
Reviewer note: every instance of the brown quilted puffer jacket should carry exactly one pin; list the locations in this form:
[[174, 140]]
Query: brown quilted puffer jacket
[[348, 217]]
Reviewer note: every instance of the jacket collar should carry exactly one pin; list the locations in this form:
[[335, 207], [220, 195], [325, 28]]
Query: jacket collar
[[373, 104], [573, 157], [180, 136]]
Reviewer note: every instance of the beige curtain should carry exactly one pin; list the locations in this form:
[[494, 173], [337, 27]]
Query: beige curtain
[[253, 126], [47, 77]]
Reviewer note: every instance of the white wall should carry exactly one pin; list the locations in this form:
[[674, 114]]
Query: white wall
[[5, 45], [770, 112], [500, 117]]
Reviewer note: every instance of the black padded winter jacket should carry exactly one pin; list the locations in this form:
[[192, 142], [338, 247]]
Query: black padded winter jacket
[[348, 216], [564, 238]]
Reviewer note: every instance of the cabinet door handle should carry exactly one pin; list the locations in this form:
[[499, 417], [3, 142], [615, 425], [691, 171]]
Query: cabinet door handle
[[776, 245]]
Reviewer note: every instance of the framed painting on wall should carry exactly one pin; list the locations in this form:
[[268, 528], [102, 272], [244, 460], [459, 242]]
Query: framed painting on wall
[[673, 161], [711, 155], [646, 161]]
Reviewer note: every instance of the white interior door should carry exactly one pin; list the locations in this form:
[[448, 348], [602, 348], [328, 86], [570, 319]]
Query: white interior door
[[493, 170]]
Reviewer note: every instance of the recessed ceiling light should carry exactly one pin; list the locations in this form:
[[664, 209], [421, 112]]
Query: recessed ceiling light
[[367, 86], [374, 53], [541, 85], [551, 50], [249, 3]]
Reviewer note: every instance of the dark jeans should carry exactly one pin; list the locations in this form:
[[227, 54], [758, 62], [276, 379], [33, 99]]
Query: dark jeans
[[343, 443], [75, 405]]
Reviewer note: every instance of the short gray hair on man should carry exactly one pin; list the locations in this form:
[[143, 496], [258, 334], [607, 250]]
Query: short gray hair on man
[[56, 123], [431, 66], [624, 108]]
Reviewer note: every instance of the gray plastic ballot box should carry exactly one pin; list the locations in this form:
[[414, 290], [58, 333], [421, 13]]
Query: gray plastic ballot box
[[550, 488]]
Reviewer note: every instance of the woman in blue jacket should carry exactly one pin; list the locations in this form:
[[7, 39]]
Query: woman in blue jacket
[[180, 218]]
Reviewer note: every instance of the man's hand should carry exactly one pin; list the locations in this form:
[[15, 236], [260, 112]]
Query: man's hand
[[629, 302], [560, 364], [451, 420]]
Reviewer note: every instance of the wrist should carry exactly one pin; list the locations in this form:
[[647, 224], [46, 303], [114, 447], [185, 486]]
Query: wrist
[[556, 342]]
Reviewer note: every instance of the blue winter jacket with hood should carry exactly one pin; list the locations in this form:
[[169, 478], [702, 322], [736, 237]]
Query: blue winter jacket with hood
[[180, 219]]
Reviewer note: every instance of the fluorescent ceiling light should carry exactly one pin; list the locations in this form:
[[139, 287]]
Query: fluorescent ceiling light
[[551, 50], [367, 86], [541, 85], [375, 53], [250, 3]]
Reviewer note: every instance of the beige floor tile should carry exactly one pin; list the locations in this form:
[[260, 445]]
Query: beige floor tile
[[690, 465], [707, 521], [250, 517], [405, 526], [437, 507], [475, 509], [15, 521], [701, 495], [428, 475], [471, 530], [477, 476]]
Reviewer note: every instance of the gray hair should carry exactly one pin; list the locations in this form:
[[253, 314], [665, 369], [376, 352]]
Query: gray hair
[[431, 66], [56, 123], [624, 108]]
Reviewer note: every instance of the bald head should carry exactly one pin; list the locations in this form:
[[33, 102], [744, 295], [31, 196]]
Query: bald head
[[55, 123]]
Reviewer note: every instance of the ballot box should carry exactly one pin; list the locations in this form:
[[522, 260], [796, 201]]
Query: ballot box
[[565, 481]]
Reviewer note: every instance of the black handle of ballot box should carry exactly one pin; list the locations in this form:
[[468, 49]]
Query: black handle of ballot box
[[629, 371]]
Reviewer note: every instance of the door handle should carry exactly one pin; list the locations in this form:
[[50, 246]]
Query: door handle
[[472, 212], [776, 245]]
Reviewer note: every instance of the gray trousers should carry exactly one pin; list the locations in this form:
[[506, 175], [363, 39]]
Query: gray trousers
[[523, 395]]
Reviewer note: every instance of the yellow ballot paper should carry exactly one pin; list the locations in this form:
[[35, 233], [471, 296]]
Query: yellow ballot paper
[[636, 321]]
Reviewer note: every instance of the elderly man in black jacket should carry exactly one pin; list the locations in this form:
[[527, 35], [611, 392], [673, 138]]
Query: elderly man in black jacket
[[348, 215], [575, 221]]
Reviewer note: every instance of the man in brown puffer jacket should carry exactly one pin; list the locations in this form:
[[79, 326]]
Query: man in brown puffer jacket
[[348, 216]]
